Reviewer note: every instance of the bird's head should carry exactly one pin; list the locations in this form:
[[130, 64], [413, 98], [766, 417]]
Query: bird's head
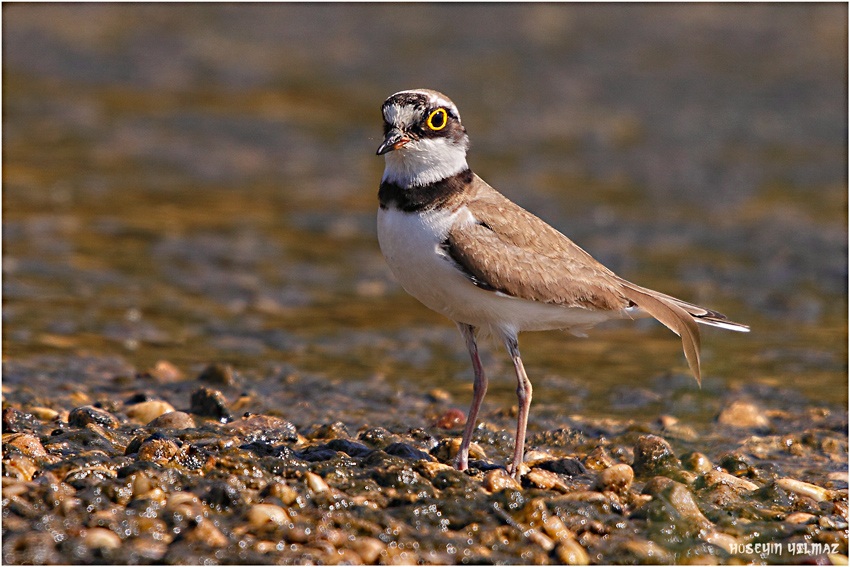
[[424, 140]]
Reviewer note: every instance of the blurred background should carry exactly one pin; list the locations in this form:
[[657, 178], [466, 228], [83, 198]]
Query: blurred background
[[197, 183]]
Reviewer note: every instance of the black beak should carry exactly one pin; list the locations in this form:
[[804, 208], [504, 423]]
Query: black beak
[[393, 141]]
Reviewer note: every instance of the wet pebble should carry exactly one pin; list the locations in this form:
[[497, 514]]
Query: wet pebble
[[369, 549], [101, 538], [218, 375], [447, 449], [172, 420], [262, 514], [568, 466], [28, 445], [570, 552], [546, 480], [744, 415], [165, 372], [617, 478], [210, 403], [84, 415], [816, 493], [316, 483], [714, 478], [407, 452], [654, 456], [499, 479], [451, 419], [263, 428], [145, 412]]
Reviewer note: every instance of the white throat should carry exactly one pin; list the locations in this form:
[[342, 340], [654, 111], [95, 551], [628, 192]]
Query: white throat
[[425, 161]]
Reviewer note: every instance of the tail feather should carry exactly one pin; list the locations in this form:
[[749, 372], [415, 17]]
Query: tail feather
[[681, 318], [674, 317]]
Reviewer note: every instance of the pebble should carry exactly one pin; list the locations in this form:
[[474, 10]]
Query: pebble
[[28, 445], [45, 414], [654, 456], [316, 483], [158, 450], [283, 492], [369, 549], [570, 552], [499, 479], [263, 428], [261, 514], [447, 449], [172, 420], [567, 466], [145, 412], [801, 488], [101, 538], [207, 534], [546, 480], [218, 374], [800, 518], [617, 478], [714, 478], [210, 403], [697, 462], [451, 419], [84, 415], [165, 372], [744, 415]]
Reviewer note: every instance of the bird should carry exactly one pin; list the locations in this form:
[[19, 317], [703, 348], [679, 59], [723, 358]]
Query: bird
[[468, 252]]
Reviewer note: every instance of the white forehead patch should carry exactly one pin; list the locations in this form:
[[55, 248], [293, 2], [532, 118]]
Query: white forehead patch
[[402, 116]]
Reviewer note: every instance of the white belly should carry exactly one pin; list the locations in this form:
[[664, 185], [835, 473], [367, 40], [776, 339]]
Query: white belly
[[411, 243]]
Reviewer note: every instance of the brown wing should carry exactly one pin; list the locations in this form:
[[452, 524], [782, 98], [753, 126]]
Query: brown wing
[[510, 250]]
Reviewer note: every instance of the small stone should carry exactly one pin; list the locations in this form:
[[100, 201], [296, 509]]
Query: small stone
[[101, 538], [697, 462], [724, 541], [173, 420], [714, 478], [430, 469], [598, 460], [541, 539], [744, 415], [207, 534], [617, 478], [45, 414], [440, 395], [283, 492], [499, 479], [837, 559], [316, 483], [654, 456], [82, 416], [17, 421], [452, 419], [27, 444], [335, 430], [263, 429], [546, 480], [806, 489], [800, 518], [407, 452], [210, 403], [262, 514], [165, 372], [570, 552], [145, 412], [158, 450], [218, 374], [369, 549], [447, 449], [569, 467]]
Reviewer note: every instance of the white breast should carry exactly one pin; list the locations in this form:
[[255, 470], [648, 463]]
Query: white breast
[[411, 244]]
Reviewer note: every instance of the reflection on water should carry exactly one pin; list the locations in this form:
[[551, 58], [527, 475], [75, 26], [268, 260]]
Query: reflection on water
[[198, 183]]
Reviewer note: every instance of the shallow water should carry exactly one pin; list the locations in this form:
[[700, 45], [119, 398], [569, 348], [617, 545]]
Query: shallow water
[[197, 183]]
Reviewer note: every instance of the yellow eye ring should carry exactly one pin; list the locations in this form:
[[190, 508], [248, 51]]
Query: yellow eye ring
[[442, 118]]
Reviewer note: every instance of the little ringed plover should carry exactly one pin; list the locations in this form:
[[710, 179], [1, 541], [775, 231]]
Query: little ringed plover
[[466, 251]]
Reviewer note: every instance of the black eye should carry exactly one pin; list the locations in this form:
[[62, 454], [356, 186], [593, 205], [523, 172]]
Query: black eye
[[438, 119]]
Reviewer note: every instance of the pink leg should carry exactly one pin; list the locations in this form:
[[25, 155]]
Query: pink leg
[[523, 392], [479, 388]]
